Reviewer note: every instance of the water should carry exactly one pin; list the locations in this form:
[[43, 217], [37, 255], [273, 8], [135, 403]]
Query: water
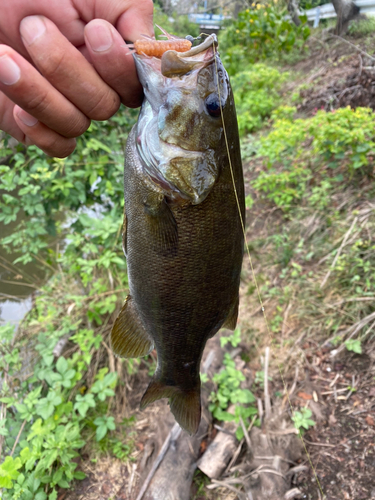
[[13, 311], [17, 283]]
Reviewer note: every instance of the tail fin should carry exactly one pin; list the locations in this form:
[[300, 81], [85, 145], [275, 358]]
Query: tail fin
[[185, 404]]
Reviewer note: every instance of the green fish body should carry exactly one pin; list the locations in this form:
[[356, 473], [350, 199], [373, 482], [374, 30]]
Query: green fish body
[[182, 237]]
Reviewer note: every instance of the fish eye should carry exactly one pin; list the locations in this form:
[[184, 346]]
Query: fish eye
[[213, 105]]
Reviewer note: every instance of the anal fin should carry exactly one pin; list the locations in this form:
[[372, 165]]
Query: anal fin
[[129, 338], [185, 404], [231, 320]]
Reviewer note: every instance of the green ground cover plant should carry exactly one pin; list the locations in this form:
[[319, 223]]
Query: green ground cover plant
[[51, 408], [229, 393]]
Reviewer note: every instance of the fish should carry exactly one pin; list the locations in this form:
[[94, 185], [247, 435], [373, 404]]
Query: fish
[[182, 232]]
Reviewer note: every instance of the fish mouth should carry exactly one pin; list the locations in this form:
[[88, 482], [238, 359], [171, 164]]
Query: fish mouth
[[175, 63], [184, 172]]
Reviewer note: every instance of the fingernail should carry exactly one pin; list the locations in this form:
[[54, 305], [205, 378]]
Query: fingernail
[[27, 119], [9, 71], [99, 37], [31, 28]]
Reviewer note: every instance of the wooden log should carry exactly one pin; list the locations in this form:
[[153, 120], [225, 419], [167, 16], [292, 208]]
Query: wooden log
[[219, 453], [171, 475], [173, 478]]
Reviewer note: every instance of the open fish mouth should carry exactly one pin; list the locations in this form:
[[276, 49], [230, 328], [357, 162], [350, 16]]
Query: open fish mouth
[[175, 63], [173, 122]]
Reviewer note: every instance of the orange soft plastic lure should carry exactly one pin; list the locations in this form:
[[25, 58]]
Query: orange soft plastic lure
[[156, 48]]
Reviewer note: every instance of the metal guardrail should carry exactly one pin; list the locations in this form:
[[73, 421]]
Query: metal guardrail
[[327, 11], [212, 20]]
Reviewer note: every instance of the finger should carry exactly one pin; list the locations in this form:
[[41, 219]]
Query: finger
[[52, 143], [137, 20], [113, 61], [132, 18], [67, 69], [25, 86], [7, 121]]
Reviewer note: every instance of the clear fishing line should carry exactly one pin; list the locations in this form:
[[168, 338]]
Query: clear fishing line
[[253, 273]]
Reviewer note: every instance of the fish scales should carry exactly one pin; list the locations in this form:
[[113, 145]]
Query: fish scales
[[183, 237]]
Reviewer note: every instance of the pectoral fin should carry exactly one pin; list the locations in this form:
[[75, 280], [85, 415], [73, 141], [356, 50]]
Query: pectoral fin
[[129, 338], [163, 227], [231, 320]]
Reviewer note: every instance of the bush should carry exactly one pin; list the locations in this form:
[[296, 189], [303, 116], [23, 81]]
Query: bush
[[326, 149], [362, 27], [257, 94], [261, 32], [174, 24], [36, 190]]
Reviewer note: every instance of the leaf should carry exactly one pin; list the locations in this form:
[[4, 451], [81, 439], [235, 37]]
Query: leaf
[[61, 365], [79, 475], [249, 201], [243, 396], [354, 345], [57, 475], [53, 495], [36, 484], [40, 496], [9, 471], [63, 483], [101, 431], [304, 395]]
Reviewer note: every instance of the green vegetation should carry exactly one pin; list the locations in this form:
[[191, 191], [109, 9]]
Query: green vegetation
[[229, 392], [50, 411], [37, 189], [362, 27], [302, 419], [307, 159], [257, 92], [259, 33], [54, 406]]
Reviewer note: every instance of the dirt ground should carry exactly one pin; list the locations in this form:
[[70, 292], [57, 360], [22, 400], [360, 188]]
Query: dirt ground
[[338, 388]]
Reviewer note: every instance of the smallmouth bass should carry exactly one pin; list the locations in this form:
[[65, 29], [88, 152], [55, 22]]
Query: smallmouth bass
[[182, 235]]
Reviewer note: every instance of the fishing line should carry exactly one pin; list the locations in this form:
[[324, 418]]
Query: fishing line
[[253, 272]]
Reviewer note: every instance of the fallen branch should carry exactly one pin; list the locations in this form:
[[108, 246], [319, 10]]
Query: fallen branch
[[267, 401], [352, 45], [359, 327], [356, 328]]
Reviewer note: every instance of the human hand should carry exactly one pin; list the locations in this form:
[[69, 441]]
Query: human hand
[[65, 62]]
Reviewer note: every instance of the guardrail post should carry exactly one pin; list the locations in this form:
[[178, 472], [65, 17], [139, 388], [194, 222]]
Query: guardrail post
[[317, 17]]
